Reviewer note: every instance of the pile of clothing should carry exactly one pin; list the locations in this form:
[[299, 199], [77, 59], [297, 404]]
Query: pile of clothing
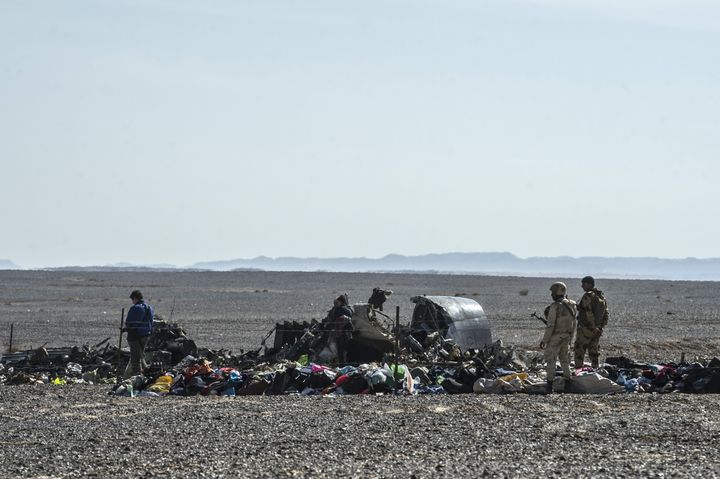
[[700, 376], [197, 376], [224, 374], [200, 376]]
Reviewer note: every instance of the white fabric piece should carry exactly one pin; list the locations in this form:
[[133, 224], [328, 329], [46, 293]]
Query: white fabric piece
[[497, 386], [594, 384]]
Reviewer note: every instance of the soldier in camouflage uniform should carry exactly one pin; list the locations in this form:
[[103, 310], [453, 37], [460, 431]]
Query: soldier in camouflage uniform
[[592, 319], [560, 326]]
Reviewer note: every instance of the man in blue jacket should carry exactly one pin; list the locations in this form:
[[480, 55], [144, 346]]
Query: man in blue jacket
[[139, 326]]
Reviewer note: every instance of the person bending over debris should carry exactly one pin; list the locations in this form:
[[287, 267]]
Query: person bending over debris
[[378, 297], [560, 317], [139, 326], [592, 318]]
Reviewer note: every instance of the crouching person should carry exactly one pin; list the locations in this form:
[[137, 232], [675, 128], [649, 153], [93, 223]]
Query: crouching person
[[139, 326], [560, 317], [378, 298]]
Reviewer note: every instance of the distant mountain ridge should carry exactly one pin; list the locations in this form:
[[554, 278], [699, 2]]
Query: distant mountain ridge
[[489, 263], [498, 264], [7, 264]]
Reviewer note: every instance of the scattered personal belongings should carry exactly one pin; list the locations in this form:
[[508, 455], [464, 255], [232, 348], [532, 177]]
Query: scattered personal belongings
[[199, 376], [446, 349]]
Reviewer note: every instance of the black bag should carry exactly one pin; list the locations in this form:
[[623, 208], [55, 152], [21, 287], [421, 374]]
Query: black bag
[[355, 384], [254, 387], [466, 376], [453, 386], [320, 380], [280, 382]]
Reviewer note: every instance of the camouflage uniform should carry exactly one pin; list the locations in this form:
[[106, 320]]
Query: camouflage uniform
[[592, 315], [560, 317]]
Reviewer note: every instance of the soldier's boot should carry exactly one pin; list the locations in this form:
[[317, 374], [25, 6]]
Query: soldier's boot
[[595, 362], [549, 387], [579, 361], [568, 386]]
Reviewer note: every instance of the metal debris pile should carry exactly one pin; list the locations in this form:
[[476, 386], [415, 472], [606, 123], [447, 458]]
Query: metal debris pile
[[92, 364], [386, 359]]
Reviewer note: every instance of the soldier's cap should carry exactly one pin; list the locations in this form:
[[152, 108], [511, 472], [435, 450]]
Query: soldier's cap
[[589, 280], [558, 288]]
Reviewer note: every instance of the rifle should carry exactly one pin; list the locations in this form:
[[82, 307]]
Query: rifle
[[538, 317], [117, 354]]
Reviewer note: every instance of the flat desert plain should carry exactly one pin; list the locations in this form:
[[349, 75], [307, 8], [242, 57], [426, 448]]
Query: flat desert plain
[[78, 431]]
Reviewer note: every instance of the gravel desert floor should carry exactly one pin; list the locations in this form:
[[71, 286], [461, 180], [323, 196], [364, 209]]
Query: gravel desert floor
[[77, 431], [82, 432]]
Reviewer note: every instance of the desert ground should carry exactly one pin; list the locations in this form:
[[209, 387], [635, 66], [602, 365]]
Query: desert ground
[[77, 431]]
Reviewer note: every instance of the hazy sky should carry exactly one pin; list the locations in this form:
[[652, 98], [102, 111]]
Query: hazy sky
[[174, 132]]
